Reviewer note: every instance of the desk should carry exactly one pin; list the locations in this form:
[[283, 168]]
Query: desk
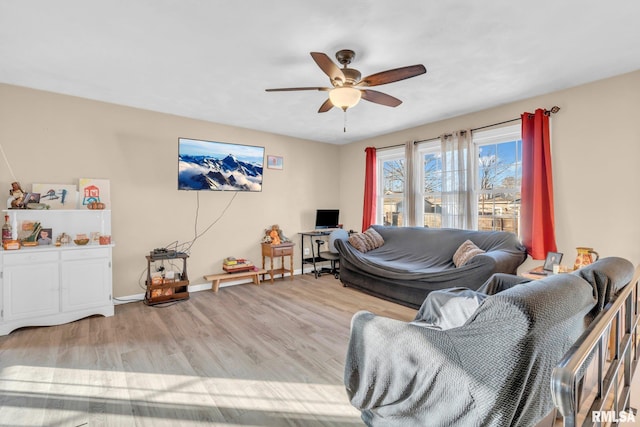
[[314, 258]]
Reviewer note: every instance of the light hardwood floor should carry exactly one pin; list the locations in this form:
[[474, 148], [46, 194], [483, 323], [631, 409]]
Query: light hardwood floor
[[268, 355]]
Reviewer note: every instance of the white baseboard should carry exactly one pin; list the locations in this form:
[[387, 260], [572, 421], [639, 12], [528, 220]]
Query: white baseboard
[[197, 287]]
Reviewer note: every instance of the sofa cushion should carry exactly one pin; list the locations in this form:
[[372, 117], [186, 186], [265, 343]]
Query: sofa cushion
[[366, 241], [465, 252]]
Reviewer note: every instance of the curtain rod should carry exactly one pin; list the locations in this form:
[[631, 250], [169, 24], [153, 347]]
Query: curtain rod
[[553, 110], [390, 146]]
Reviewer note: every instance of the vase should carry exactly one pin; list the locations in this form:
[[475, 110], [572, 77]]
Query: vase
[[585, 257]]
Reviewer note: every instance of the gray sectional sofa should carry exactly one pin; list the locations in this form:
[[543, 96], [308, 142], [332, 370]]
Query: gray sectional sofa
[[414, 261], [493, 368]]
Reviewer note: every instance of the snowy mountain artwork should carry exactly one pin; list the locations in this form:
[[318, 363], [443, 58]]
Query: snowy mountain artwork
[[219, 166]]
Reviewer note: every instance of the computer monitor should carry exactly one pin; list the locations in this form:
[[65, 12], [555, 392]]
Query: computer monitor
[[327, 218]]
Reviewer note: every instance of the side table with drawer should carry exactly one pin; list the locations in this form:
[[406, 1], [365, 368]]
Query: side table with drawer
[[277, 251]]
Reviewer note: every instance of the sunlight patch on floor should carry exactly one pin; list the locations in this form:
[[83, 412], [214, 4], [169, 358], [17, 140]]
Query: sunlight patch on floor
[[76, 390]]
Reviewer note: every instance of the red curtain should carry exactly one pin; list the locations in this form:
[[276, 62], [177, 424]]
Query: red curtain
[[536, 210], [369, 210]]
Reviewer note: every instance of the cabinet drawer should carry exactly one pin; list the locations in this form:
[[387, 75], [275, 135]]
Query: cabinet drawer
[[282, 251], [85, 254], [25, 257]]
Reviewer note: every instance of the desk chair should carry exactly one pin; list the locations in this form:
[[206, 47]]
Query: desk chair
[[332, 253]]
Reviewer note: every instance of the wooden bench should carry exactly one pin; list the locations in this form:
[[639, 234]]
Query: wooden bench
[[223, 277]]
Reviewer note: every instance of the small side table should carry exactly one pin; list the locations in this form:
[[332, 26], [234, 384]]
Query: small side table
[[275, 251], [536, 273], [171, 290]]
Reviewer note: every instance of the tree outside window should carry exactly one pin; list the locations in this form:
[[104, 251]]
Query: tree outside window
[[393, 188], [432, 189], [499, 180]]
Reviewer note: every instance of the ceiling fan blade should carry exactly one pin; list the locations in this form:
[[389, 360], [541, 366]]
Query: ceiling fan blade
[[380, 98], [328, 66], [286, 89], [326, 106], [391, 76]]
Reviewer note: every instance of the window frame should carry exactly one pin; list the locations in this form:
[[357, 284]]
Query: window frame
[[501, 135], [389, 154]]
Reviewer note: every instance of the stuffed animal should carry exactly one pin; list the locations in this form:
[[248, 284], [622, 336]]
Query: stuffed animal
[[283, 238], [275, 235]]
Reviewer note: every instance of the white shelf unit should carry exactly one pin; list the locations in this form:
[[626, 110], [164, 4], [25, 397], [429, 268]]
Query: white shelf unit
[[72, 221], [49, 285]]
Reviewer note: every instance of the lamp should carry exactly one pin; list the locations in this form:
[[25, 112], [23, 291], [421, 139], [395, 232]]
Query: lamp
[[344, 97]]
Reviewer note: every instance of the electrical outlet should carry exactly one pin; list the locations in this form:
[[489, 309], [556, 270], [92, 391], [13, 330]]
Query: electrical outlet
[[306, 251]]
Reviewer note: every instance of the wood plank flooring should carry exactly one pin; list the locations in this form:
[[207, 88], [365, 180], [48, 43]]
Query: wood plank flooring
[[268, 355]]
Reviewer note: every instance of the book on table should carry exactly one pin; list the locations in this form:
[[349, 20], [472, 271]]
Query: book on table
[[245, 265]]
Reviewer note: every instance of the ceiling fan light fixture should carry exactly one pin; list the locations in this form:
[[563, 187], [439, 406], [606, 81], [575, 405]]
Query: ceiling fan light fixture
[[345, 97]]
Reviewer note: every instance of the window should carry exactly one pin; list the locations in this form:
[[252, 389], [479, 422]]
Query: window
[[499, 178], [430, 200], [391, 187], [497, 187]]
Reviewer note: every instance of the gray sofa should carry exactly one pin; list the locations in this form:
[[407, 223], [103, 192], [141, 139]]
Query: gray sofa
[[494, 368], [414, 261]]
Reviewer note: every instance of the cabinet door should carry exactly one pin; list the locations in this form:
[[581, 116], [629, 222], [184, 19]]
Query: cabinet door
[[85, 283], [30, 290]]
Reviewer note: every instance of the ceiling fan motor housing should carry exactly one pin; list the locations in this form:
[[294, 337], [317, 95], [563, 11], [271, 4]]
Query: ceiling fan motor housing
[[351, 75]]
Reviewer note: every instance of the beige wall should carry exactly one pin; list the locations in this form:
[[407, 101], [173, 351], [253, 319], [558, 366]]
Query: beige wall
[[57, 139], [596, 152]]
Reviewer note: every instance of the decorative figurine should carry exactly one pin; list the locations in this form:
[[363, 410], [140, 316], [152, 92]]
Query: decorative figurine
[[18, 195]]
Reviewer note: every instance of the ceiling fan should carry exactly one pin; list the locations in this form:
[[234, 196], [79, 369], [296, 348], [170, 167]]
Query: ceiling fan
[[348, 86]]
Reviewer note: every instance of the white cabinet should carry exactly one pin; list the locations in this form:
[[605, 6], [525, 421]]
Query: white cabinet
[[49, 285], [85, 278], [31, 285]]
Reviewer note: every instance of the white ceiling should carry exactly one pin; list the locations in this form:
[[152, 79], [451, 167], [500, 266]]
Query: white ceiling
[[213, 59]]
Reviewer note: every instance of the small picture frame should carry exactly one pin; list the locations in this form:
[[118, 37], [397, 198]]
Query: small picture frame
[[33, 198], [274, 162], [44, 236], [552, 258]]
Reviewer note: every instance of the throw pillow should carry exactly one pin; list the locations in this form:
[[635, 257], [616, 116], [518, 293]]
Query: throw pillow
[[366, 241], [465, 252]]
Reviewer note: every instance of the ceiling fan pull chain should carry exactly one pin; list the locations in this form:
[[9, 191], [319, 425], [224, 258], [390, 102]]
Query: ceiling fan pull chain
[[345, 122]]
